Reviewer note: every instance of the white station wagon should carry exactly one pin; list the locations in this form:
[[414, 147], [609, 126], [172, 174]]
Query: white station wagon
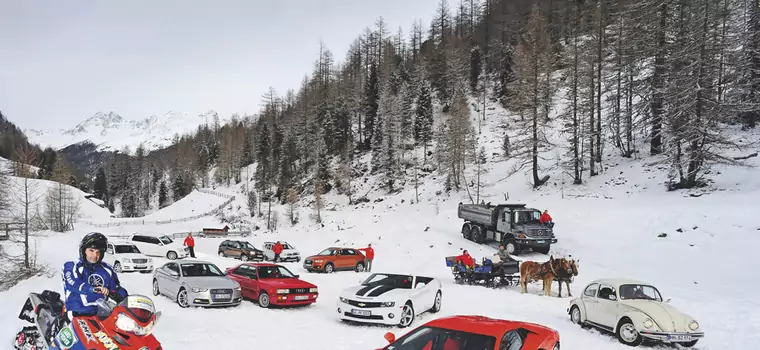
[[633, 310], [125, 257]]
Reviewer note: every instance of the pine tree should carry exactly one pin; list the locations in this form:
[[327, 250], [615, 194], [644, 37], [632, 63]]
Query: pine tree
[[163, 195], [423, 123], [372, 96], [100, 187]]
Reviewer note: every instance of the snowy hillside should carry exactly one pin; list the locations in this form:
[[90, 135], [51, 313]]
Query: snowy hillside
[[38, 189], [112, 132]]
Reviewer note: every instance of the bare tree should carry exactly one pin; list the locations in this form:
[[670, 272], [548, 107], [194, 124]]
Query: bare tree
[[61, 206], [318, 200], [26, 193], [291, 197]]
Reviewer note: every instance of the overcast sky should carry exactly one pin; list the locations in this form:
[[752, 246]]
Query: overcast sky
[[63, 61]]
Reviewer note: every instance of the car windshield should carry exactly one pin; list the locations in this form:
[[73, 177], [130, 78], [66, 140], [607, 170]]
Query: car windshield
[[274, 272], [200, 270], [398, 281], [247, 245], [639, 291], [440, 338], [328, 251], [287, 246], [124, 249], [165, 240]]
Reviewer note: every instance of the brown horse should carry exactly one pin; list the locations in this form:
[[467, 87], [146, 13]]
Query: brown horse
[[532, 271], [566, 270]]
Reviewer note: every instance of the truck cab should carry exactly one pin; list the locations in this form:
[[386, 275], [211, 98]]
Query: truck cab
[[514, 225]]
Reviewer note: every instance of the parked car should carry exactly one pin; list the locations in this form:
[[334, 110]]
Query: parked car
[[390, 299], [335, 259], [162, 245], [633, 310], [476, 332], [126, 257], [196, 283], [289, 252], [240, 250], [272, 284]]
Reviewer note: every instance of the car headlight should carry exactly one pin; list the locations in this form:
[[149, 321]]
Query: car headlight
[[648, 323], [199, 290], [126, 260], [283, 291], [389, 303], [127, 324], [318, 261], [343, 300], [313, 290], [694, 325]]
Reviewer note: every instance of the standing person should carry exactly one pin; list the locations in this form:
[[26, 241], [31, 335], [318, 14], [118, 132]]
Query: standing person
[[190, 244], [369, 253], [277, 249]]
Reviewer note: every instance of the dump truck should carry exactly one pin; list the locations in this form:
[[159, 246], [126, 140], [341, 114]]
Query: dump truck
[[515, 226]]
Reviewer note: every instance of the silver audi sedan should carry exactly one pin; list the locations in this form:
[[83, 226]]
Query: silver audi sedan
[[196, 283]]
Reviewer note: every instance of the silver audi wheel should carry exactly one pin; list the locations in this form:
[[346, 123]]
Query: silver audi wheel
[[182, 298]]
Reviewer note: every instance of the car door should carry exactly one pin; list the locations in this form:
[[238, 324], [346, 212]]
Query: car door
[[242, 274], [155, 245], [605, 309], [421, 294], [139, 241], [109, 256], [171, 283], [268, 253], [589, 300]]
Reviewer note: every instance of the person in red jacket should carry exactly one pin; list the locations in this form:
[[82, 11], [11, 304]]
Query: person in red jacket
[[545, 218], [277, 249], [190, 244], [369, 253], [466, 259]]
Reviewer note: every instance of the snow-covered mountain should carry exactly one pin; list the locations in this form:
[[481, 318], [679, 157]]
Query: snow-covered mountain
[[110, 131]]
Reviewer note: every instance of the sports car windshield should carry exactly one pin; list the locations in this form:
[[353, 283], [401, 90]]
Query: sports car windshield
[[398, 281], [274, 272], [639, 291], [432, 338], [200, 270]]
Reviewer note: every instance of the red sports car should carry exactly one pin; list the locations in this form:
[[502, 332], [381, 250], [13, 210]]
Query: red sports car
[[475, 332], [272, 284]]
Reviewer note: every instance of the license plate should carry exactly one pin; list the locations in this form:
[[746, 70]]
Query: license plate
[[222, 296], [541, 242], [360, 312], [301, 297], [141, 267], [679, 337]]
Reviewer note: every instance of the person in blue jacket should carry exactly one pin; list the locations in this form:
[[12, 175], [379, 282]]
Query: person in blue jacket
[[87, 280]]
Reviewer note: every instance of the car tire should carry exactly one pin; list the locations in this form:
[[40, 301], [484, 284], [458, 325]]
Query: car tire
[[407, 315], [156, 289], [437, 302], [329, 268], [627, 334], [466, 234], [575, 315], [244, 257], [171, 255], [556, 346], [477, 234], [117, 267], [359, 267], [182, 298], [222, 254], [264, 300], [689, 344]]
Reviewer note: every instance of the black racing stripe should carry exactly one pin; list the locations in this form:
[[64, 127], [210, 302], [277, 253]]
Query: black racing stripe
[[366, 289], [382, 290]]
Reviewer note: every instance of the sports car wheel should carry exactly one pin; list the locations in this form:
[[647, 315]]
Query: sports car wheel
[[407, 315], [156, 290], [244, 257], [437, 303], [264, 300], [329, 268], [117, 267], [182, 298], [627, 333], [575, 315]]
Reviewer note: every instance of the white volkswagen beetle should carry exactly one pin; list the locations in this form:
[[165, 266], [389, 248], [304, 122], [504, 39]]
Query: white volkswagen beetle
[[633, 310]]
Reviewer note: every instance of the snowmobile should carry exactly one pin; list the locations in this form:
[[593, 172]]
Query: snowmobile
[[124, 325]]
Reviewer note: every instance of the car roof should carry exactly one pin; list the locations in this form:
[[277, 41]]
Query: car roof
[[484, 325], [256, 264], [192, 261], [152, 234], [618, 281], [121, 242]]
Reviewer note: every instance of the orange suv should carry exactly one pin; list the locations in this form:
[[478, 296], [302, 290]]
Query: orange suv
[[335, 259]]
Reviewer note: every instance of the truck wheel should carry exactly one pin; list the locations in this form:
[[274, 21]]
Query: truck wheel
[[466, 232], [512, 247], [477, 234]]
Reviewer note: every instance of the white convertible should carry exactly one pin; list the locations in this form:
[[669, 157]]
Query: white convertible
[[390, 299], [633, 310]]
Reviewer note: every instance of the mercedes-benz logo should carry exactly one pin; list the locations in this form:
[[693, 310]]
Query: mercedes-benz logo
[[96, 280]]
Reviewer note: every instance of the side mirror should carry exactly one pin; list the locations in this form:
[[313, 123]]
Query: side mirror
[[296, 276], [174, 273], [613, 297], [390, 337], [420, 285]]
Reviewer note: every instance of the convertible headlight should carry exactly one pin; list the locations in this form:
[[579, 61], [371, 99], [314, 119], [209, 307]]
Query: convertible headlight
[[313, 290], [343, 300], [283, 291], [648, 323], [694, 325], [127, 324], [199, 290], [389, 303]]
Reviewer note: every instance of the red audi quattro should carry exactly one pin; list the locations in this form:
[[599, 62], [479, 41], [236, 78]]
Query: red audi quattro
[[272, 284], [475, 332]]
